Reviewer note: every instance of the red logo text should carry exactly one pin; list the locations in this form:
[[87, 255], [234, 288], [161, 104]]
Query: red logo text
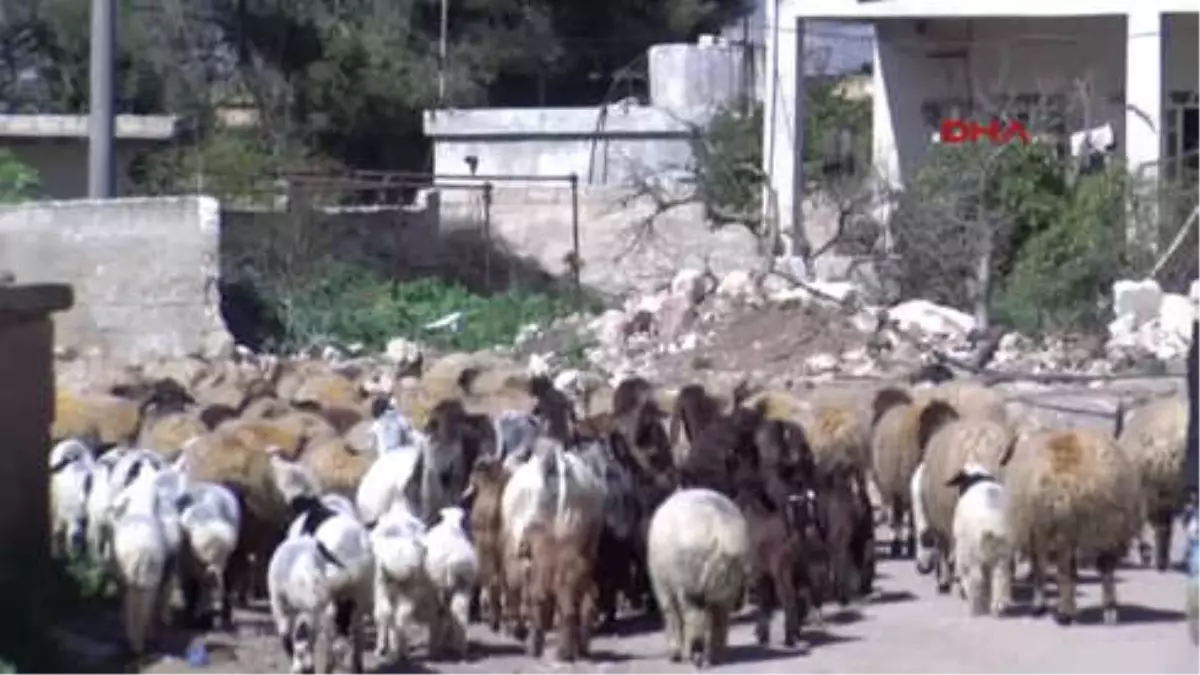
[[954, 132]]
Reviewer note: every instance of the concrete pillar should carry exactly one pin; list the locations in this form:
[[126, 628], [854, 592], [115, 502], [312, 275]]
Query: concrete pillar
[[783, 129], [1144, 98], [26, 412]]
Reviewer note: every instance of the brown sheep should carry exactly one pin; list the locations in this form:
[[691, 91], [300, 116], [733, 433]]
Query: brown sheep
[[1155, 435], [561, 583], [1075, 497], [484, 489], [895, 455], [335, 467], [950, 441]]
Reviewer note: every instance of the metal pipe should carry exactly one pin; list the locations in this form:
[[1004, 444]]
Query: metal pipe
[[102, 166], [576, 262], [487, 236]]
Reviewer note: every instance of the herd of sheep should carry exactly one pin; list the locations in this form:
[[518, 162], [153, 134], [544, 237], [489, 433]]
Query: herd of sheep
[[472, 490]]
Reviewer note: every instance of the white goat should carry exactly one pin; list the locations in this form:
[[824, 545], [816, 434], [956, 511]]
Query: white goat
[[925, 548], [404, 594], [301, 598], [453, 567], [351, 584], [211, 519], [142, 555], [389, 478], [983, 540], [71, 465]]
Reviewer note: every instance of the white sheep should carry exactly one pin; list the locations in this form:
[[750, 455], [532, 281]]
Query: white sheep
[[983, 540], [404, 593], [926, 550], [71, 466], [453, 567], [351, 582], [301, 598], [339, 503], [142, 555], [211, 519], [698, 557]]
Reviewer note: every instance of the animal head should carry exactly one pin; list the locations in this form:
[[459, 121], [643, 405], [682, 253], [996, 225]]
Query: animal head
[[390, 430], [554, 410], [931, 374], [67, 452], [970, 474]]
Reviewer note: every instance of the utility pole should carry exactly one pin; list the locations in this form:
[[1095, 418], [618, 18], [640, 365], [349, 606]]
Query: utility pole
[[101, 121], [442, 53]]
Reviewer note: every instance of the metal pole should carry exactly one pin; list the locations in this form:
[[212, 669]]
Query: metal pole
[[487, 236], [576, 263], [442, 52], [101, 122]]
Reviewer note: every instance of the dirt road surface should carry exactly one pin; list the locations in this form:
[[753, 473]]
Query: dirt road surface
[[906, 628]]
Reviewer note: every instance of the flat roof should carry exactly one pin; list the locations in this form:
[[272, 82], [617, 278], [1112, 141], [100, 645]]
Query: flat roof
[[128, 127]]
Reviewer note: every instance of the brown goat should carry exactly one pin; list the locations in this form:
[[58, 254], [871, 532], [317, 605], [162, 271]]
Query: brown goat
[[560, 581], [485, 487], [788, 556]]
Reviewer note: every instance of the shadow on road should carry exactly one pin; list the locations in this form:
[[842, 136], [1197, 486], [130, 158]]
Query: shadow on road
[[1090, 616], [890, 597]]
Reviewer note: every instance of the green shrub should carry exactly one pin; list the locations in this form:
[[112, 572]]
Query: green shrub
[[18, 181], [348, 304]]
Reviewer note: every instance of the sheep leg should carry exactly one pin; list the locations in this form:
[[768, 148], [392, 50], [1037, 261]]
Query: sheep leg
[[541, 613], [1162, 540], [1107, 565], [588, 612], [495, 594], [1001, 596], [896, 523], [460, 609], [673, 623], [1065, 576], [974, 580], [765, 602], [569, 627], [718, 634], [943, 572], [785, 590], [697, 634], [1037, 579], [138, 612], [515, 604], [384, 618], [357, 639]]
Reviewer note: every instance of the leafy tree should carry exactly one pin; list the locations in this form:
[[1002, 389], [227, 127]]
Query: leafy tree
[[18, 181]]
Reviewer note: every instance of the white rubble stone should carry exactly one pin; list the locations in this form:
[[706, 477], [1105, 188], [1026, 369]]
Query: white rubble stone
[[539, 365], [931, 319], [689, 342], [689, 283], [1194, 290], [609, 328], [1140, 299], [738, 285], [402, 351], [1176, 314], [821, 363], [568, 380]]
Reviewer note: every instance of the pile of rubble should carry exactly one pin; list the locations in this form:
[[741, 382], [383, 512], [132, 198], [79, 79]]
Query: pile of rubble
[[746, 324]]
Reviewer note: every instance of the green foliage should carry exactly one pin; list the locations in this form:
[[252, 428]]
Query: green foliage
[[728, 158], [347, 304], [1062, 275], [1057, 239], [826, 114], [18, 181]]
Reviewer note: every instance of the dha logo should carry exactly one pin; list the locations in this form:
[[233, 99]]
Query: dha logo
[[957, 132]]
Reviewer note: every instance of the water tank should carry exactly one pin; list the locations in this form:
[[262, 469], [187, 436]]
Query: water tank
[[686, 78]]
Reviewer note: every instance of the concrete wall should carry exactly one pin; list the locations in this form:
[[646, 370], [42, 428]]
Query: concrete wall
[[144, 271], [619, 253], [62, 163], [26, 412]]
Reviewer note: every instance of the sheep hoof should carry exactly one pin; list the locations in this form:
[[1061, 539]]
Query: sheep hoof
[[762, 634], [924, 569], [1145, 553], [943, 588], [1063, 619], [698, 659], [1110, 616], [674, 656], [1038, 610], [896, 549]]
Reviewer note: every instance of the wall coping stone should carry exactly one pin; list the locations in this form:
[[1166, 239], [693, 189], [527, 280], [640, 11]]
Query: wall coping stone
[[36, 298]]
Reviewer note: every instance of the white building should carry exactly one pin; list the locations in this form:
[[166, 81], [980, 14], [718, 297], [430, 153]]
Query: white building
[[1131, 63]]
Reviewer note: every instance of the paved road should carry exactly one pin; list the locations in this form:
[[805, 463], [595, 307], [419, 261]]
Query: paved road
[[907, 628]]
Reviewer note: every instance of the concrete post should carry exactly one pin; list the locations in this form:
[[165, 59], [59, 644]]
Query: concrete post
[[1144, 104], [783, 137], [26, 413]]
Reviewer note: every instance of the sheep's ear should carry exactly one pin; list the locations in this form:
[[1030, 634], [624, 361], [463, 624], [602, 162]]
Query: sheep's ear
[[379, 406], [958, 480]]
